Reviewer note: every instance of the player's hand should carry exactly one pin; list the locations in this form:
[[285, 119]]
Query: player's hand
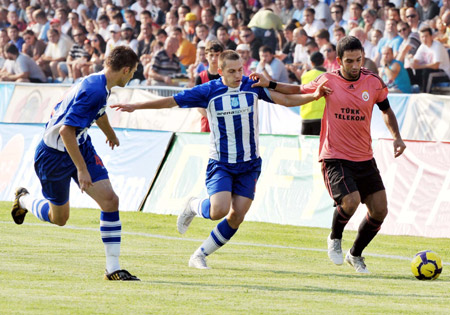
[[113, 142], [123, 107], [261, 79], [322, 90], [84, 180], [399, 147]]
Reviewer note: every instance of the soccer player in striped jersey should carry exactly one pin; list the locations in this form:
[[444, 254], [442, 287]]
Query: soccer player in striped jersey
[[66, 152], [234, 166], [349, 169]]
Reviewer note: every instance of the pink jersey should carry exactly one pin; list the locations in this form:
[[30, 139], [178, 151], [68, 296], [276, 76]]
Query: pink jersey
[[345, 132]]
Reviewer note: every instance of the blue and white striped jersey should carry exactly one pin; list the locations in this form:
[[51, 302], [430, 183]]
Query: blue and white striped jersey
[[232, 115], [83, 104]]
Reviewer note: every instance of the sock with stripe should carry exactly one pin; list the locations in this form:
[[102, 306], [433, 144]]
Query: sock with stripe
[[202, 207], [367, 230], [340, 220], [219, 236], [110, 229], [38, 207]]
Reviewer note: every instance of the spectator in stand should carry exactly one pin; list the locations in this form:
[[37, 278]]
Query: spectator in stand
[[68, 70], [287, 11], [29, 12], [91, 10], [144, 45], [201, 64], [408, 48], [98, 57], [224, 38], [118, 19], [114, 40], [271, 67], [183, 10], [130, 18], [219, 7], [176, 3], [103, 24], [33, 47], [301, 55], [74, 24], [194, 7], [91, 28], [338, 34], [142, 5], [79, 8], [202, 34], [312, 113], [248, 37], [161, 37], [189, 26], [243, 13], [391, 38], [233, 27], [4, 39], [21, 12], [164, 7], [187, 51], [13, 20], [165, 64], [171, 21], [431, 61], [13, 34], [213, 50], [392, 72], [208, 19], [42, 25], [441, 32], [371, 20], [360, 34], [394, 14], [337, 12], [127, 37], [265, 25], [413, 19], [299, 6], [244, 51], [321, 12], [322, 37], [56, 25], [330, 63], [427, 10], [355, 14], [311, 24], [24, 68], [288, 51], [62, 16]]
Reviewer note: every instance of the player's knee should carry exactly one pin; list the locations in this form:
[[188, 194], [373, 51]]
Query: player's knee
[[235, 218], [351, 202], [112, 202], [60, 220], [218, 211]]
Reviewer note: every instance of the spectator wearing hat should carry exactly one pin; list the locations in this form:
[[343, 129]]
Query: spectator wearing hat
[[186, 51], [244, 51], [190, 23], [24, 69], [130, 18], [224, 38], [33, 47], [270, 66], [312, 113], [127, 37], [114, 40]]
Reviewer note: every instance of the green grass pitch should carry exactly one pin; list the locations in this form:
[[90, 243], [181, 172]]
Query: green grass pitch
[[265, 269]]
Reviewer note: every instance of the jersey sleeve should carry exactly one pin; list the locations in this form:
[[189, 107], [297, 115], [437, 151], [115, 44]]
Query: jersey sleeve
[[195, 97], [263, 93], [84, 109], [382, 91], [312, 86]]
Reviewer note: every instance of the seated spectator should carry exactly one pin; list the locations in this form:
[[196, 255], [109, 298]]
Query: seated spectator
[[103, 24], [207, 18], [4, 39], [338, 34], [360, 34], [408, 48], [144, 45], [322, 37], [13, 34], [337, 13], [413, 19], [13, 20], [114, 40], [224, 38], [189, 26], [265, 24], [427, 10], [202, 34], [165, 64], [76, 53], [431, 61], [270, 66], [248, 37], [393, 73], [61, 15], [391, 38], [42, 25], [288, 50], [130, 18], [245, 14], [75, 24], [244, 51], [371, 20], [56, 52], [91, 28], [220, 9], [233, 27], [24, 69], [79, 8], [171, 21], [311, 24], [127, 37], [91, 10], [98, 56], [186, 51], [33, 47], [330, 63], [200, 64]]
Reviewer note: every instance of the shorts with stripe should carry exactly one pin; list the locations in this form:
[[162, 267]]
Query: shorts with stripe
[[343, 177], [238, 178]]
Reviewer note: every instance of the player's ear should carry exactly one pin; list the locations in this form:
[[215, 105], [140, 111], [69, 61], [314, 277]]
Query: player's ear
[[339, 60], [219, 70]]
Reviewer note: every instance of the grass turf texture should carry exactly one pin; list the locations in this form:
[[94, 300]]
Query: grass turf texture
[[51, 270]]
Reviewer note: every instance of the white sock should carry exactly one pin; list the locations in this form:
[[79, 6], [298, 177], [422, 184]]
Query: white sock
[[26, 201]]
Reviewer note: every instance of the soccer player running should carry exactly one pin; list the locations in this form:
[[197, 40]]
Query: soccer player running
[[349, 169], [235, 164], [66, 152]]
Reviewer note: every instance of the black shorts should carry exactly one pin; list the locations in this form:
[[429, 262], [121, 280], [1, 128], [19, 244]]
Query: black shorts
[[343, 177]]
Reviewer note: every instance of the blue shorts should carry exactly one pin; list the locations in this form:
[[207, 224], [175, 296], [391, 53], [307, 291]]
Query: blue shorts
[[238, 178], [55, 169]]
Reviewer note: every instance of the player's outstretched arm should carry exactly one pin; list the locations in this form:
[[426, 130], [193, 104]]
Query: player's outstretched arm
[[105, 127], [165, 102], [263, 81], [391, 122], [299, 99]]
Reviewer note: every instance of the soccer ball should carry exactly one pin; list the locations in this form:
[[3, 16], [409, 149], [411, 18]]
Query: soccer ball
[[426, 265]]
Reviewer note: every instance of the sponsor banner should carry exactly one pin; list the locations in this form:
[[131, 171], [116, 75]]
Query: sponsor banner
[[132, 166], [290, 189], [418, 189]]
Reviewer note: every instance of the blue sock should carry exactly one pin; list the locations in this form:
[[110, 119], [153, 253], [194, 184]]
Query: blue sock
[[110, 229], [219, 236], [40, 209], [205, 206]]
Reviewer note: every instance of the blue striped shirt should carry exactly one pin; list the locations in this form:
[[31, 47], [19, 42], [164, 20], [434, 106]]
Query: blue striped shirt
[[232, 115]]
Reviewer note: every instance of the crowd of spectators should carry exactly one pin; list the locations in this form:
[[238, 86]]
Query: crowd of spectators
[[407, 43]]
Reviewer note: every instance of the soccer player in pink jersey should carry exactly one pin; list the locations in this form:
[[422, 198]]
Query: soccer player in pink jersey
[[349, 169]]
